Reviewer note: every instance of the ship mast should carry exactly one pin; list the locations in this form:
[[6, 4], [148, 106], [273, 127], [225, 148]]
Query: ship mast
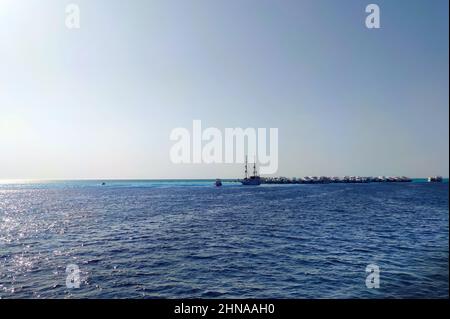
[[246, 172], [254, 167]]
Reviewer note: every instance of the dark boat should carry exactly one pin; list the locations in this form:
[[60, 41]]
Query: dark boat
[[253, 180], [218, 182]]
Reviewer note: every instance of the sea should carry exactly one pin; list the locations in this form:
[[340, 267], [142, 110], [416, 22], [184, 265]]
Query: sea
[[190, 239]]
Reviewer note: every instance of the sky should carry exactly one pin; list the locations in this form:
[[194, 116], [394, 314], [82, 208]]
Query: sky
[[102, 100]]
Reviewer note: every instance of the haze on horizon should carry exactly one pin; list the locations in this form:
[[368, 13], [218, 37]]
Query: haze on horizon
[[101, 101]]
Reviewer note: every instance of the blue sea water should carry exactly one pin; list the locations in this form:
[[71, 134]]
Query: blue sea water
[[188, 239]]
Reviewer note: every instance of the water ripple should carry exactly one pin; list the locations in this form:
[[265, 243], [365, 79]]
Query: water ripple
[[187, 240]]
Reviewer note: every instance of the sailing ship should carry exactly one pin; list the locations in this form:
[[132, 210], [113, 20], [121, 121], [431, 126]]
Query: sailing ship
[[253, 179]]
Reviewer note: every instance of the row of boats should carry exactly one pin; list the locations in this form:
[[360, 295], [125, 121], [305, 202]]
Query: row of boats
[[335, 179], [255, 179]]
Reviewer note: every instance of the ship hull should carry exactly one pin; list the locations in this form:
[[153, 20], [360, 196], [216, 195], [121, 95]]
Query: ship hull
[[251, 182]]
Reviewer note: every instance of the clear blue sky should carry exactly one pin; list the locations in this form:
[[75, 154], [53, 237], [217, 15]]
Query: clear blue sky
[[101, 101]]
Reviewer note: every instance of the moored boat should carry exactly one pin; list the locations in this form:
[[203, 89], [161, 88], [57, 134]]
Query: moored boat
[[435, 179]]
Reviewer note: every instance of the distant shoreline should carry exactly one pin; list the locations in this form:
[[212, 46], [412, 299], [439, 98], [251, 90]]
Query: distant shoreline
[[112, 180]]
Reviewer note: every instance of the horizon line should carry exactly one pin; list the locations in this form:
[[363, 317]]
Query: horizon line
[[5, 180]]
